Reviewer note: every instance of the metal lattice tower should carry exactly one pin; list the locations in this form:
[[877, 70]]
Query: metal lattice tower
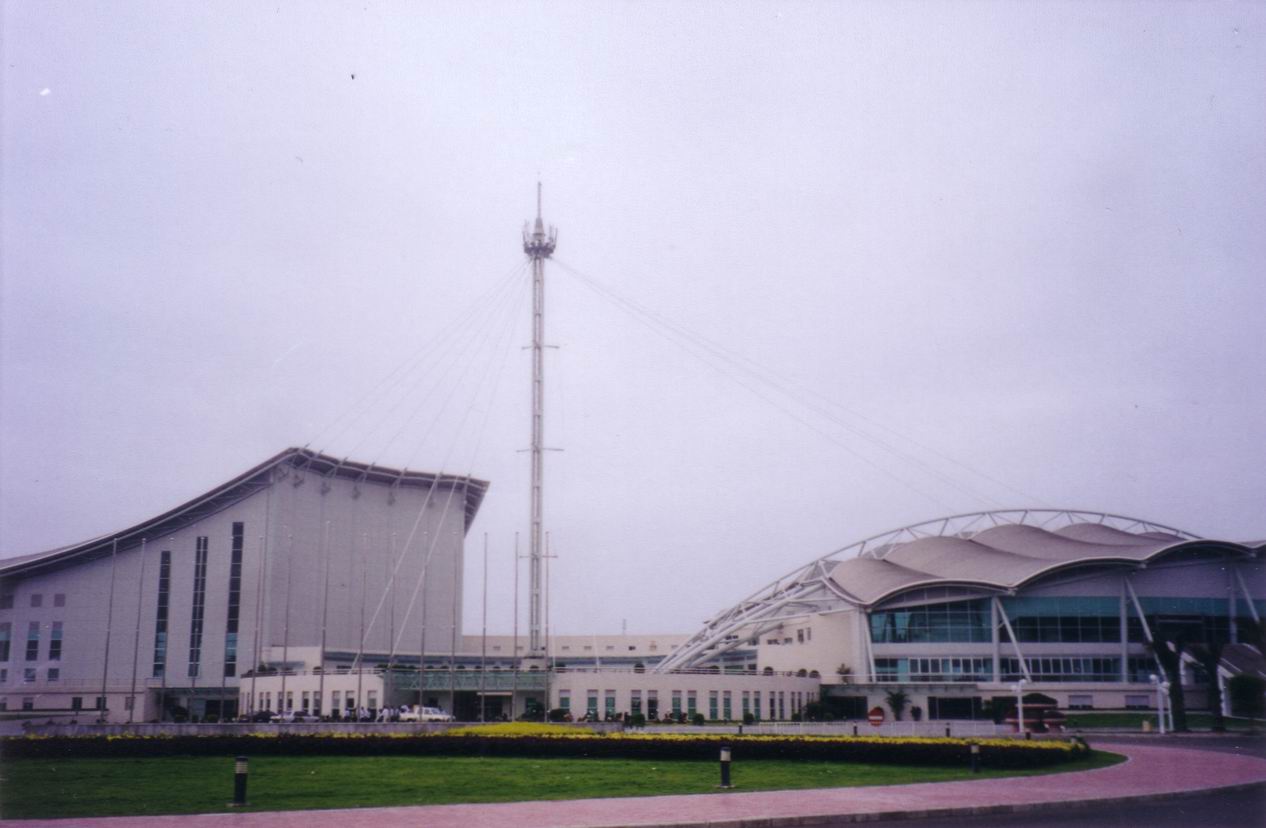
[[538, 244]]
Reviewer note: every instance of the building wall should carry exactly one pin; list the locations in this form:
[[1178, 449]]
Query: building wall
[[790, 693], [370, 529]]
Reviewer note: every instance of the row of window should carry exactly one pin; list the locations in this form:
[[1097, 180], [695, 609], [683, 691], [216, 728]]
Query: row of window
[[720, 703], [32, 652], [308, 700], [30, 675], [36, 598], [1042, 668], [1059, 620], [76, 703], [934, 669]]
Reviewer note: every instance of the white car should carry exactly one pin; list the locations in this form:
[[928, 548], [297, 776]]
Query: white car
[[424, 714], [295, 716]]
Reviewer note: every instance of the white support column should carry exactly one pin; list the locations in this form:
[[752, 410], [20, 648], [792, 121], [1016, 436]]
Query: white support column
[[996, 640], [1248, 599], [1015, 643]]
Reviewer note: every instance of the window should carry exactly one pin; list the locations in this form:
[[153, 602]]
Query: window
[[692, 703], [747, 703], [199, 605], [306, 703], [676, 703], [160, 620], [76, 702], [235, 602], [610, 647], [4, 675], [1081, 701], [567, 647], [37, 600], [28, 675], [591, 704], [727, 707], [28, 702], [712, 705], [939, 670], [1064, 668], [55, 642], [564, 699], [635, 702], [1063, 620], [100, 704], [652, 704], [373, 699], [799, 636], [6, 600], [59, 599], [129, 702], [334, 700], [957, 621], [4, 704], [33, 641], [609, 704], [54, 674], [6, 632]]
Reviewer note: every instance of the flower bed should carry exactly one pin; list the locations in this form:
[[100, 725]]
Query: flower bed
[[994, 753]]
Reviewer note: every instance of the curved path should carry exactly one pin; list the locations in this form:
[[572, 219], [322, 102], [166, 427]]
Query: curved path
[[1151, 772]]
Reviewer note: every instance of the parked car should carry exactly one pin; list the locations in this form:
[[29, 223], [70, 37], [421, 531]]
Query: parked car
[[293, 716], [424, 714]]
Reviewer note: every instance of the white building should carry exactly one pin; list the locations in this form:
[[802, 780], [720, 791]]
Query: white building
[[303, 561]]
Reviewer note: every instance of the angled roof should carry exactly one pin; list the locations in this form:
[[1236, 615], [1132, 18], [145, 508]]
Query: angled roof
[[241, 487]]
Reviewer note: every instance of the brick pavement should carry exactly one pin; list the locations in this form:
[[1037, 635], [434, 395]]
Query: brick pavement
[[1151, 771]]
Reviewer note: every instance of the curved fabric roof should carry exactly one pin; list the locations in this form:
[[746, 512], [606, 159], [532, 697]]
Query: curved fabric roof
[[993, 551], [299, 460], [1003, 558]]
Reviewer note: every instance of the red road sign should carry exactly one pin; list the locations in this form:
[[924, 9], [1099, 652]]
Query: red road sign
[[876, 716]]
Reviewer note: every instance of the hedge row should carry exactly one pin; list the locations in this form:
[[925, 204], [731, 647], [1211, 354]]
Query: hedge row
[[954, 752]]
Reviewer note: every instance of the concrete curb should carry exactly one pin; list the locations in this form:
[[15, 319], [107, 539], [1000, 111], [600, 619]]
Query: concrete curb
[[939, 813]]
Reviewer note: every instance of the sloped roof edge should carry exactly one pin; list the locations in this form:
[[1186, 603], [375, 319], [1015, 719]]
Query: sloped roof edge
[[301, 460]]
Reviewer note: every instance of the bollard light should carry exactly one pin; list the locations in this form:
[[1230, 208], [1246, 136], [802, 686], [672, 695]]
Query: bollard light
[[240, 771], [725, 766], [975, 757]]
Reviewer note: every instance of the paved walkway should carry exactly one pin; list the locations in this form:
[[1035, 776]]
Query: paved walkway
[[1150, 772]]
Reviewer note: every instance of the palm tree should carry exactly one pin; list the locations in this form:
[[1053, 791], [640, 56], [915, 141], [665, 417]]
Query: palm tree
[[897, 701]]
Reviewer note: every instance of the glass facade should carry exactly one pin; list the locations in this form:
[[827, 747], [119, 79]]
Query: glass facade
[[199, 606], [934, 669], [964, 621], [1063, 620], [160, 620], [1064, 668], [235, 601]]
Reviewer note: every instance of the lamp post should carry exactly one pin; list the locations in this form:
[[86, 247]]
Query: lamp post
[[1018, 689]]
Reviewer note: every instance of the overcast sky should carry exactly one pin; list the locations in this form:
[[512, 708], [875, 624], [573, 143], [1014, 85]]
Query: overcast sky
[[1014, 250]]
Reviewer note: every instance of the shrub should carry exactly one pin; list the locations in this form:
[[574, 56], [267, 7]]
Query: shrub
[[637, 720], [995, 753], [748, 718], [696, 719]]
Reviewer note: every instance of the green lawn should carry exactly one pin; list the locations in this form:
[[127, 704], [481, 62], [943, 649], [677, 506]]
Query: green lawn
[[1134, 721], [40, 788]]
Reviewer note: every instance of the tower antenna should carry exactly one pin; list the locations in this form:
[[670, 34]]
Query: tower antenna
[[539, 246]]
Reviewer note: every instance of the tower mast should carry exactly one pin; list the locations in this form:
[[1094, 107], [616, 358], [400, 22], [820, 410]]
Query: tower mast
[[539, 246]]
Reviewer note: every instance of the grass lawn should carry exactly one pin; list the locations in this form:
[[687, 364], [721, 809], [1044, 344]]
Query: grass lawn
[[45, 788], [1134, 721]]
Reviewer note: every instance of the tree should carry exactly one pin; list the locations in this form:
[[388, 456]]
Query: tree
[[845, 673], [897, 701], [1246, 695]]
